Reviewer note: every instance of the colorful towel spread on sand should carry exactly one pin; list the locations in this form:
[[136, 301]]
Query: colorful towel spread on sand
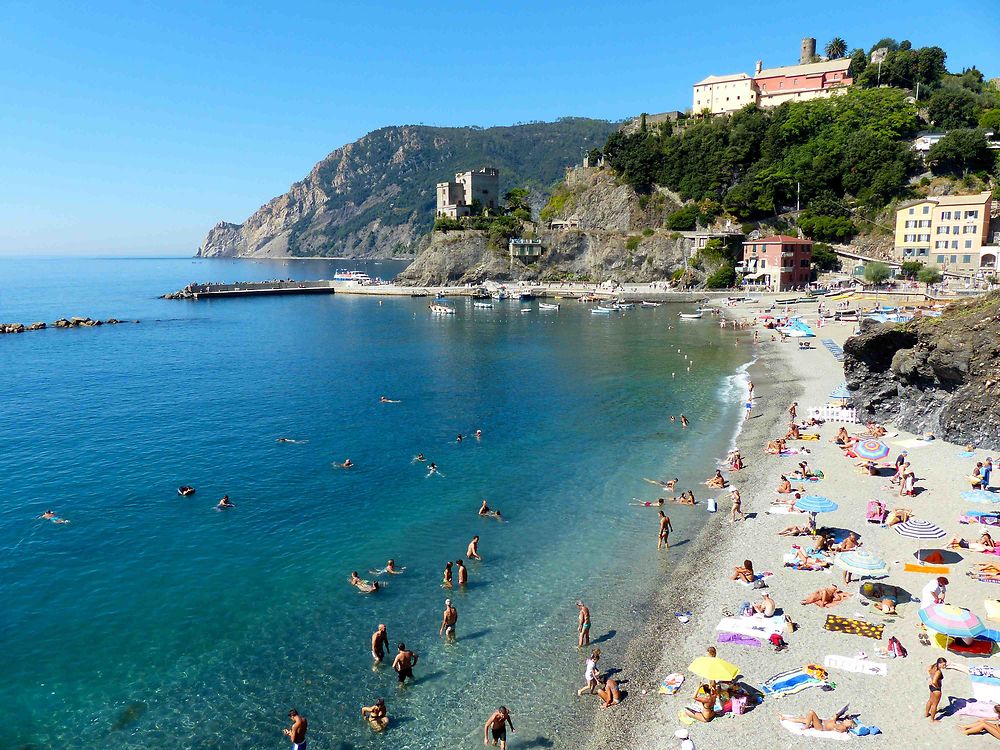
[[978, 647], [990, 672], [937, 570], [671, 683], [861, 666], [800, 729], [837, 624], [738, 639], [972, 707], [755, 627], [791, 682]]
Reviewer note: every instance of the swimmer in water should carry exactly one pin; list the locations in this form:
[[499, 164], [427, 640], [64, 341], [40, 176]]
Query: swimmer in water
[[484, 509], [673, 419], [289, 440], [446, 582], [419, 457], [390, 567], [365, 587], [649, 503], [380, 643], [433, 469], [224, 503], [462, 572], [473, 552], [458, 438], [384, 400], [479, 434], [684, 422], [50, 515]]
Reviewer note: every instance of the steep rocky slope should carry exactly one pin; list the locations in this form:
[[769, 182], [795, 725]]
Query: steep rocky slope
[[375, 197], [936, 375], [620, 237]]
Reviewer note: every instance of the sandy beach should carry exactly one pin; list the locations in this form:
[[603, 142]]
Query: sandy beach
[[895, 701]]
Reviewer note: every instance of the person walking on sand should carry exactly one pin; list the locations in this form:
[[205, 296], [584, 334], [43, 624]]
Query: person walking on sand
[[590, 673], [749, 409], [665, 529], [737, 506], [404, 663], [496, 726], [380, 643], [297, 732], [935, 682], [473, 552], [448, 620], [793, 410], [583, 625]]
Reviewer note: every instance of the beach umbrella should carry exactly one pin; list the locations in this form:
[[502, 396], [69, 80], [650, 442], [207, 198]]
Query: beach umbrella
[[816, 504], [917, 529], [952, 621], [981, 497], [840, 392], [873, 450], [714, 668], [862, 563]]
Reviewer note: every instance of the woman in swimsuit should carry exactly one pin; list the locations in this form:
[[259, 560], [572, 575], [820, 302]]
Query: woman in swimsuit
[[707, 695], [447, 575], [376, 716], [784, 486], [743, 572]]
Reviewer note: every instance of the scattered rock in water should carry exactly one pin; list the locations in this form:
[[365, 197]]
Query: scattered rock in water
[[74, 322], [130, 715]]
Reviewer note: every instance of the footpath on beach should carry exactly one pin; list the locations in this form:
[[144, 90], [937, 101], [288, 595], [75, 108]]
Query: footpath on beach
[[827, 659]]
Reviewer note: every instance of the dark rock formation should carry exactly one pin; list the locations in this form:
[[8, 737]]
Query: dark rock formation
[[932, 375]]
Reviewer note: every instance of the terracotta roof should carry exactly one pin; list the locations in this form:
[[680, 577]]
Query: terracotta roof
[[774, 238], [719, 79], [828, 66]]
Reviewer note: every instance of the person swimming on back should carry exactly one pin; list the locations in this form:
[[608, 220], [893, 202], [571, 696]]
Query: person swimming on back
[[384, 400], [225, 503], [289, 440], [433, 469], [365, 587]]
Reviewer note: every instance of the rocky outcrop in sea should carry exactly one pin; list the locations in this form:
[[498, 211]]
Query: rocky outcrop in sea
[[932, 375]]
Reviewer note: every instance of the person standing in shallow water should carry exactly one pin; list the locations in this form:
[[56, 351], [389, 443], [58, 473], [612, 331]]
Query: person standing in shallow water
[[473, 552], [496, 726], [380, 643], [583, 625], [462, 573], [404, 663], [297, 732], [448, 620], [665, 529]]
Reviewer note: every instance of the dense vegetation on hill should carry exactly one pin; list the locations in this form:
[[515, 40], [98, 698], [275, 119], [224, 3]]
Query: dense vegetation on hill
[[834, 155], [377, 195]]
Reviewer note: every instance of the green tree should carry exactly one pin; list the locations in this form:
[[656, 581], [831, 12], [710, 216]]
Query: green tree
[[824, 258], [909, 269], [724, 277], [836, 48], [960, 152], [684, 219], [877, 273], [888, 42], [990, 120], [859, 61], [929, 275], [953, 108]]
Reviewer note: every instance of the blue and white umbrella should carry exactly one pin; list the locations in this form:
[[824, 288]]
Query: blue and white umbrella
[[861, 563], [816, 504], [840, 392], [918, 529], [979, 496]]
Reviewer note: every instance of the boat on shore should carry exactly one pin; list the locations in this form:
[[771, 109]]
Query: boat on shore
[[441, 309]]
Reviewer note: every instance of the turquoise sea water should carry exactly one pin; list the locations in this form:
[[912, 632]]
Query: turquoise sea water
[[156, 621]]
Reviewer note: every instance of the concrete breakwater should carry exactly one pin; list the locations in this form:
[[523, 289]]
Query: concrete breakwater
[[75, 322]]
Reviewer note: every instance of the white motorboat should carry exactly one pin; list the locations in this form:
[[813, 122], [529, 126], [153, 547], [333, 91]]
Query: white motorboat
[[547, 306], [441, 309], [525, 309], [601, 311], [690, 316], [483, 305], [644, 303]]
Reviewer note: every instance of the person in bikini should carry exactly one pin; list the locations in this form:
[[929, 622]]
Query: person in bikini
[[784, 486], [935, 684], [743, 572], [376, 716], [737, 509], [706, 696], [664, 534], [812, 721], [984, 726]]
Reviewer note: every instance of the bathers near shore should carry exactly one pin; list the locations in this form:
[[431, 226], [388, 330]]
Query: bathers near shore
[[402, 674]]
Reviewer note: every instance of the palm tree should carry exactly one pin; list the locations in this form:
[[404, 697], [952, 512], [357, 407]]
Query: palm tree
[[837, 48]]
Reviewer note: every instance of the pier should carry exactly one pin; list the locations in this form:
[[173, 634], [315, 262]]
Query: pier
[[252, 289]]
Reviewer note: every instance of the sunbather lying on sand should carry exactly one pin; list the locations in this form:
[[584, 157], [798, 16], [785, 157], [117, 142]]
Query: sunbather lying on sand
[[826, 597], [885, 599], [812, 721], [806, 561], [898, 515], [799, 530], [873, 430], [983, 726], [788, 500], [984, 544]]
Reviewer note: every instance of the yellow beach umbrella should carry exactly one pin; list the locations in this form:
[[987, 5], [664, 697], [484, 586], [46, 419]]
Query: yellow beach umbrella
[[714, 668]]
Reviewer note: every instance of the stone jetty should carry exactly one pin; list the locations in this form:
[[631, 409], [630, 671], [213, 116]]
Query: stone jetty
[[75, 322]]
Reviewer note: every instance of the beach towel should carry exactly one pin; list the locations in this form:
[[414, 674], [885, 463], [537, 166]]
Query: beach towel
[[972, 707], [791, 682], [754, 627], [784, 510], [737, 639], [979, 647], [862, 666], [756, 578], [808, 436], [937, 570], [836, 624], [683, 718], [804, 480], [985, 689], [800, 729], [984, 577], [670, 684]]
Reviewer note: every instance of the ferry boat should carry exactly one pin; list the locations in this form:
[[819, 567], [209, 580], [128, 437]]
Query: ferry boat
[[358, 277]]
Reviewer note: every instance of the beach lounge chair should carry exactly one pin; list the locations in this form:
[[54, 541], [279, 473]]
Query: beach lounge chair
[[875, 512]]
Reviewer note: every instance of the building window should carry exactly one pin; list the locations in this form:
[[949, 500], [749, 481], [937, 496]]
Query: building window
[[954, 258], [763, 262], [954, 229], [910, 212], [804, 262], [971, 214], [954, 244], [942, 230], [966, 258], [927, 209], [946, 214], [940, 259], [968, 244]]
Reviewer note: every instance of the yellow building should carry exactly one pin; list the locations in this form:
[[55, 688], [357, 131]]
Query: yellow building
[[951, 231], [720, 95]]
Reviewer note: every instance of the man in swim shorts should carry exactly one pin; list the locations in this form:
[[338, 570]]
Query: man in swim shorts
[[404, 663], [448, 620], [473, 552], [380, 643], [583, 625], [297, 732], [496, 726]]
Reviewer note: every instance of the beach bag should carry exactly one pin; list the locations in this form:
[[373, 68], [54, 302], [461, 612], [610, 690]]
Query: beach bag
[[896, 648], [739, 704]]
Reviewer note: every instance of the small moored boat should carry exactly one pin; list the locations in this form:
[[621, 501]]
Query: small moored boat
[[644, 303], [483, 305], [547, 306], [441, 309], [690, 316]]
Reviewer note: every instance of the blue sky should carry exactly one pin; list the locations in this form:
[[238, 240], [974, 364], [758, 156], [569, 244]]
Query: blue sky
[[131, 129]]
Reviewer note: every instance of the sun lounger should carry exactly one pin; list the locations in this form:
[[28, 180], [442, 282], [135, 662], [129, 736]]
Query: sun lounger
[[862, 666], [799, 729], [755, 627]]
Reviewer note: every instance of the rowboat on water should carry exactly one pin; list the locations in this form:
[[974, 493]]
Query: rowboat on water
[[601, 311], [483, 305], [690, 316], [547, 306], [644, 303], [441, 309]]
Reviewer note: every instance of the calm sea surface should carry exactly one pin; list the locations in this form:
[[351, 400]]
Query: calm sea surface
[[152, 620]]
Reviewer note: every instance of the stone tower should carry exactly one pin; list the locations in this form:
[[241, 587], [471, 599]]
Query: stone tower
[[808, 51]]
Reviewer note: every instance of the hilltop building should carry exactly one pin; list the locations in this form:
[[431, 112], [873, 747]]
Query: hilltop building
[[951, 231], [724, 94], [779, 263], [454, 199]]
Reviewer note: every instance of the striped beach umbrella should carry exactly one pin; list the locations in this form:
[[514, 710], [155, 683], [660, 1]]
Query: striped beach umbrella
[[862, 563], [816, 504], [840, 392], [953, 621], [873, 450], [918, 529], [981, 497]]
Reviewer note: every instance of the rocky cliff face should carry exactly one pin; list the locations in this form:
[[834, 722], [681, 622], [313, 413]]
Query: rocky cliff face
[[936, 375], [376, 197]]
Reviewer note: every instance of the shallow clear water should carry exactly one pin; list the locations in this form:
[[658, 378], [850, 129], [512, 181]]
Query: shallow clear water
[[156, 621]]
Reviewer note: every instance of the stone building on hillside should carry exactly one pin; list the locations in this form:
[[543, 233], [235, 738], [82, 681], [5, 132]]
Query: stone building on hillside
[[952, 231], [455, 198]]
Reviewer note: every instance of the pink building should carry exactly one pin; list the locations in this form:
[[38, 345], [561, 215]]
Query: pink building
[[778, 262], [801, 82]]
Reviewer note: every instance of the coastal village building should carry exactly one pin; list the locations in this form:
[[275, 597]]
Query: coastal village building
[[951, 231], [778, 263], [526, 251], [724, 94], [455, 198]]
